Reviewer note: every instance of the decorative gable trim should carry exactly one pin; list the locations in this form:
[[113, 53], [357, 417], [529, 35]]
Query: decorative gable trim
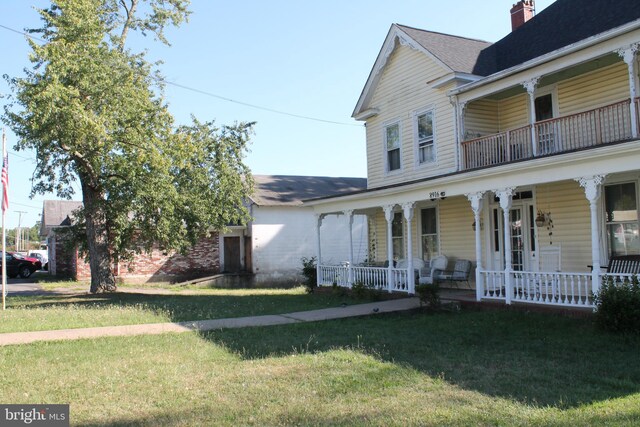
[[396, 37]]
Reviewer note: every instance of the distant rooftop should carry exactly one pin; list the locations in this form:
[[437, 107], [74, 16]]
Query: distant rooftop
[[57, 213], [289, 190]]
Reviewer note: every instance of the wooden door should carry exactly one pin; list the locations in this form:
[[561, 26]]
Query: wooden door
[[232, 262]]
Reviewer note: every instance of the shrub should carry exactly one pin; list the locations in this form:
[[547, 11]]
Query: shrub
[[618, 305], [359, 290], [429, 294], [310, 272]]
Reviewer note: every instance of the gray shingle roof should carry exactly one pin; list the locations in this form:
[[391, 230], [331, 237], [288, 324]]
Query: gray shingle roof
[[57, 213], [562, 23], [287, 190], [458, 53]]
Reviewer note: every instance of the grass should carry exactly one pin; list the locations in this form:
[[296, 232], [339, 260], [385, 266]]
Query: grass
[[49, 312], [470, 368]]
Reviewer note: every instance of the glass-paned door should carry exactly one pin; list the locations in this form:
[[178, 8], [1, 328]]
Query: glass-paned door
[[518, 247]]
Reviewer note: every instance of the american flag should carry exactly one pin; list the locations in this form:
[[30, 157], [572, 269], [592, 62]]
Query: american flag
[[5, 179]]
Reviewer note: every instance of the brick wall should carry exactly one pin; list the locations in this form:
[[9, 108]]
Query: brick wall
[[202, 260]]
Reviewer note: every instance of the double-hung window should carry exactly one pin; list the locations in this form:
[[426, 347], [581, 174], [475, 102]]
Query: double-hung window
[[621, 208], [424, 137], [392, 144], [397, 235], [429, 221]]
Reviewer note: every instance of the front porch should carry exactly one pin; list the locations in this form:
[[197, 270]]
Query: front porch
[[518, 263]]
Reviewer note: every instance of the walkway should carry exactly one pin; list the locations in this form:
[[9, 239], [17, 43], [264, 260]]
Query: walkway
[[214, 324]]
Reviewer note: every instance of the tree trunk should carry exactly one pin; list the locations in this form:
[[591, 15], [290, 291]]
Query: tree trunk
[[102, 279]]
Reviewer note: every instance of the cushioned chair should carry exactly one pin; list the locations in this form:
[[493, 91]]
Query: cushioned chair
[[460, 273], [433, 270]]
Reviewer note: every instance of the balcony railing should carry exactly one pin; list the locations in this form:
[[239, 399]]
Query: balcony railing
[[591, 128]]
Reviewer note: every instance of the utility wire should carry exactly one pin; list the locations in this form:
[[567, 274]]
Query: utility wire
[[213, 95]]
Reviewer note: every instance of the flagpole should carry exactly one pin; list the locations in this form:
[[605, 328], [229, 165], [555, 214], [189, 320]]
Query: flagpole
[[4, 236]]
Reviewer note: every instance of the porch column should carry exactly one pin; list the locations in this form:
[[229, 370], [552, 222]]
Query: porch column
[[628, 54], [319, 218], [530, 86], [592, 186], [476, 204], [349, 215], [408, 216], [388, 215], [505, 204]]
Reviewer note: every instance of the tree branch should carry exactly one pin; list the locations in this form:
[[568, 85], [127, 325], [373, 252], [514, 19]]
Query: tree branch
[[127, 24]]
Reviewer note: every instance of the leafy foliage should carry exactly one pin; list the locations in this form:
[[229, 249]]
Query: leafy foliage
[[618, 305], [429, 294], [93, 112], [310, 272]]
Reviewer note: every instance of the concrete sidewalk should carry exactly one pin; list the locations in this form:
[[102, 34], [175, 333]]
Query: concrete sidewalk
[[213, 324]]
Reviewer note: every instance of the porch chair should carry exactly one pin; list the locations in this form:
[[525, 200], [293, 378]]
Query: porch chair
[[417, 265], [432, 270], [460, 273]]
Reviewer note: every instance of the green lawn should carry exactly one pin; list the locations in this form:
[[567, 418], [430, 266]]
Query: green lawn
[[468, 368], [47, 312]]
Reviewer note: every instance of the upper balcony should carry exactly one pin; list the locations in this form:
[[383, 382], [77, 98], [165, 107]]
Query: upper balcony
[[592, 128]]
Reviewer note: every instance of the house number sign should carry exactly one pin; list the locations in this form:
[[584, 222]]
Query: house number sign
[[437, 194]]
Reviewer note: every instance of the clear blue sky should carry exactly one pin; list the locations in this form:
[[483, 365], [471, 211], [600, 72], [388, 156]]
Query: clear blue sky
[[300, 57]]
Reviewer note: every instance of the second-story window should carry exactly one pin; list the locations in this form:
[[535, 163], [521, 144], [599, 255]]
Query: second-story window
[[392, 143], [424, 137]]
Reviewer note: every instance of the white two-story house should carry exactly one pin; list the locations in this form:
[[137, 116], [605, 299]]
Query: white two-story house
[[521, 156]]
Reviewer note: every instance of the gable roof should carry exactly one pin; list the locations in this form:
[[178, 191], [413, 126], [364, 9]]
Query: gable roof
[[460, 54], [57, 213], [288, 190], [454, 54], [561, 24]]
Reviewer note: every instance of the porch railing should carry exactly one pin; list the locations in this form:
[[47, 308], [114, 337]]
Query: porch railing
[[563, 289], [591, 128], [373, 277]]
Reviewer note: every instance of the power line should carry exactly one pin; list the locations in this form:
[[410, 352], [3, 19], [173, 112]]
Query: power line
[[223, 98]]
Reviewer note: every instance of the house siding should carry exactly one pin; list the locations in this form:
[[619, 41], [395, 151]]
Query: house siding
[[594, 89], [402, 90], [571, 223], [281, 236]]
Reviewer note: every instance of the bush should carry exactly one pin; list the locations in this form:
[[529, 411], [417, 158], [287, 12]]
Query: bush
[[618, 305], [429, 295], [310, 272]]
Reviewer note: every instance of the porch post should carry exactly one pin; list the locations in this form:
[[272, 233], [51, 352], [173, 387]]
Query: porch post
[[592, 186], [319, 218], [408, 216], [388, 214], [628, 54], [349, 215], [530, 86], [476, 204], [505, 204]]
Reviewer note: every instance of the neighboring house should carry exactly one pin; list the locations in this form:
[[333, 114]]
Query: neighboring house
[[283, 230], [159, 265], [522, 155], [269, 248]]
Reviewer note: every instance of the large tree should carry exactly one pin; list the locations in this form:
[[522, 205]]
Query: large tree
[[93, 112]]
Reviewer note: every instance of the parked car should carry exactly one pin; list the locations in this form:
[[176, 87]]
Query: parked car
[[40, 255], [19, 265]]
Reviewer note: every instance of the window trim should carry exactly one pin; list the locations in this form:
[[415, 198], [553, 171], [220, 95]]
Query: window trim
[[547, 90], [603, 204], [385, 151], [416, 140]]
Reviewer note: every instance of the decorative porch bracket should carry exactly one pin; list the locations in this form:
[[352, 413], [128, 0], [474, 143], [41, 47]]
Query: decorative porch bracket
[[530, 86], [476, 200], [319, 218], [388, 215], [506, 200], [349, 215], [628, 54], [592, 189], [408, 216]]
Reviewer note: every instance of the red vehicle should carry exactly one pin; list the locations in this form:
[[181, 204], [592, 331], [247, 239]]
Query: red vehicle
[[19, 265]]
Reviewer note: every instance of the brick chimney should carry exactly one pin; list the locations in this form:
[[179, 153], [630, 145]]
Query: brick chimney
[[521, 12]]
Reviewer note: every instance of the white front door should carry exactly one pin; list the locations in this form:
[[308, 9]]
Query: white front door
[[523, 242]]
